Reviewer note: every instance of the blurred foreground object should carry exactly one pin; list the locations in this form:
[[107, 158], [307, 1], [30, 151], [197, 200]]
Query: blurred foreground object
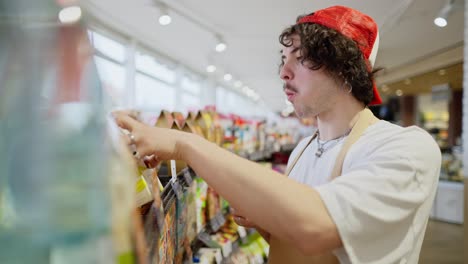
[[66, 191]]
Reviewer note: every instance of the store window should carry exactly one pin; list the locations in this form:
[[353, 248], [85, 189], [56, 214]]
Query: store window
[[149, 65], [112, 76], [228, 101], [110, 63], [190, 102], [152, 94], [190, 94], [108, 47], [190, 85], [221, 95]]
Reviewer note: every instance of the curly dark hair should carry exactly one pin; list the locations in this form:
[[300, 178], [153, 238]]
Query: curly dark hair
[[340, 55]]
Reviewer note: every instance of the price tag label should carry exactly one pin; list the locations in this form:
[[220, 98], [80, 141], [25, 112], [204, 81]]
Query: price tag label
[[214, 224], [218, 257], [177, 189], [242, 232], [259, 258], [226, 249], [206, 239], [267, 250], [221, 219], [235, 246], [173, 169], [188, 177]]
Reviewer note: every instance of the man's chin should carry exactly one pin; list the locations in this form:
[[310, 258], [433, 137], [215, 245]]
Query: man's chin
[[301, 114]]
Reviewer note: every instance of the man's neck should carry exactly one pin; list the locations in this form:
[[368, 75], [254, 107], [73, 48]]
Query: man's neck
[[337, 121]]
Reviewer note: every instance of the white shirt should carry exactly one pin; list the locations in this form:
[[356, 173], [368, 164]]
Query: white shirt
[[381, 202]]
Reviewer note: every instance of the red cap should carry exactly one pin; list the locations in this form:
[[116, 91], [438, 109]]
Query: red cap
[[355, 25]]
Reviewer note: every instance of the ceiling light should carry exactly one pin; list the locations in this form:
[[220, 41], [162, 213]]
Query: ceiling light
[[442, 72], [211, 68], [407, 81], [221, 44], [440, 22], [165, 20], [399, 92], [441, 19], [227, 77], [384, 88], [220, 47], [237, 84], [69, 15]]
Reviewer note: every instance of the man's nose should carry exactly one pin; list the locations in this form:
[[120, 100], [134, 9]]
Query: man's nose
[[286, 73]]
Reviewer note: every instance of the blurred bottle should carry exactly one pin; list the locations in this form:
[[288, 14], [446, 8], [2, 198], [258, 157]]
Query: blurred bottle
[[55, 147]]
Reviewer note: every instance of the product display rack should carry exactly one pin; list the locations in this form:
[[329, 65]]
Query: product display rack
[[172, 232], [198, 225]]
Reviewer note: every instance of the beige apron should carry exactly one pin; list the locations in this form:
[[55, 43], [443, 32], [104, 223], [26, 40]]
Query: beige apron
[[281, 252]]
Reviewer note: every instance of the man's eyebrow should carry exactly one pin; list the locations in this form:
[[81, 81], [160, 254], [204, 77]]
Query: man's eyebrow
[[295, 50], [292, 52]]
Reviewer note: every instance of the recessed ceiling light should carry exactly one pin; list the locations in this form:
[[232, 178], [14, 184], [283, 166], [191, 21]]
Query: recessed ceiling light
[[407, 81], [442, 72], [211, 68], [440, 22], [399, 92], [385, 88], [165, 20], [220, 47], [227, 77], [447, 9], [70, 14]]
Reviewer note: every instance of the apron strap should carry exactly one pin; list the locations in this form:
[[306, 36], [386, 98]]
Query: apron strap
[[361, 122], [291, 167], [283, 252]]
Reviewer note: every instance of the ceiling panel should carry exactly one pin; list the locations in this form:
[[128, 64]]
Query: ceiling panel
[[251, 29]]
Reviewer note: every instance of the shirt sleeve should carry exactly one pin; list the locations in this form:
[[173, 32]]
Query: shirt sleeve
[[375, 202]]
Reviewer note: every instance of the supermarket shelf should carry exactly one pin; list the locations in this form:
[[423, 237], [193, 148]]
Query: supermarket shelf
[[288, 147], [258, 155], [168, 195], [204, 237]]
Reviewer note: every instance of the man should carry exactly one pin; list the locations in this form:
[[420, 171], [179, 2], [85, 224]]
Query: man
[[359, 191]]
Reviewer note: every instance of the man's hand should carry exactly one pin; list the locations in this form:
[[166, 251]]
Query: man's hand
[[241, 220], [152, 144]]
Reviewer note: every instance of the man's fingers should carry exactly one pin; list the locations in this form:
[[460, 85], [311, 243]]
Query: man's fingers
[[131, 113], [125, 138], [125, 121], [151, 161], [243, 222]]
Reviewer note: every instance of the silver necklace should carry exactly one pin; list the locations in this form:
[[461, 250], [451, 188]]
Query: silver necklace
[[321, 146]]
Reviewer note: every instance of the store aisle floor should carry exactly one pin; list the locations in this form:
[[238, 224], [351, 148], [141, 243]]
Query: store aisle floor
[[443, 244]]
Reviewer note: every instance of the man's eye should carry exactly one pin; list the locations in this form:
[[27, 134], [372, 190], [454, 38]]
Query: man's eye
[[299, 58]]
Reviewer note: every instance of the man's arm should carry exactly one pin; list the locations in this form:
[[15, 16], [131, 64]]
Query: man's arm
[[280, 206], [242, 221]]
